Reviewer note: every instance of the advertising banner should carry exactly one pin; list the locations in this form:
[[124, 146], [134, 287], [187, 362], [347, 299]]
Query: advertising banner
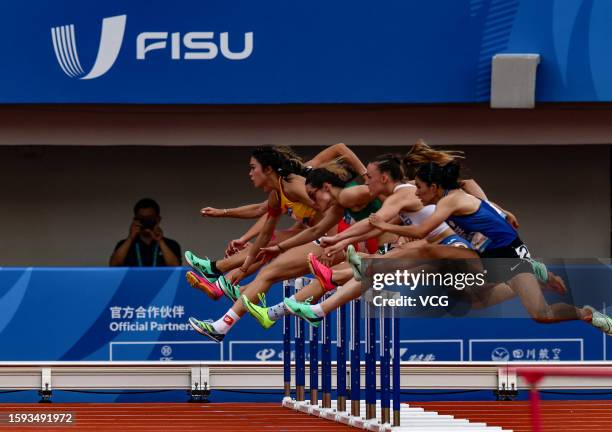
[[244, 52], [140, 314]]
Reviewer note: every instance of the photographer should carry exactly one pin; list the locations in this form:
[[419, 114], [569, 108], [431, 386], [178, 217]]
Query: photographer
[[145, 245]]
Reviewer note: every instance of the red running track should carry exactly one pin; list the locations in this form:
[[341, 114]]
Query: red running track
[[557, 416], [222, 417]]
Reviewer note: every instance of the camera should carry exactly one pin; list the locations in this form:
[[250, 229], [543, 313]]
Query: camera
[[147, 223]]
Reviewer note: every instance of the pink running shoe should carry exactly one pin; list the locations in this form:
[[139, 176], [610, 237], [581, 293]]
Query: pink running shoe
[[322, 273], [198, 282]]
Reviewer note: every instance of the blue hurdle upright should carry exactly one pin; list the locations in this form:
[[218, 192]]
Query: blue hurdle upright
[[382, 367]]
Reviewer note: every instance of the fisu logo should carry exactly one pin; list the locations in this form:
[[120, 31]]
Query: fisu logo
[[111, 39], [193, 45]]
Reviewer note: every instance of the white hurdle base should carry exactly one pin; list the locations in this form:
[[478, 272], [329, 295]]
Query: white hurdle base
[[413, 419]]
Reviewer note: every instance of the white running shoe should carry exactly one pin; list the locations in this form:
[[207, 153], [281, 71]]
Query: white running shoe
[[601, 321], [354, 261]]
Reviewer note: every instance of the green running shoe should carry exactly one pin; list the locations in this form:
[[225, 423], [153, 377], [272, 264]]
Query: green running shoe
[[303, 311], [230, 290], [205, 328], [354, 260], [202, 266], [260, 313], [601, 321]]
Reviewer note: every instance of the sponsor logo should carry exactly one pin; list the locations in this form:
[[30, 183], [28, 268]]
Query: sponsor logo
[[265, 354], [500, 354]]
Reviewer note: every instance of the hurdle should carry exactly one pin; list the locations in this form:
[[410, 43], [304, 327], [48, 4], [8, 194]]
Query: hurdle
[[377, 412], [533, 375], [381, 409]]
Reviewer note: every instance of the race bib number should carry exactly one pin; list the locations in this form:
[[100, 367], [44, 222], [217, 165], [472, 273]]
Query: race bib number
[[479, 241], [522, 252]]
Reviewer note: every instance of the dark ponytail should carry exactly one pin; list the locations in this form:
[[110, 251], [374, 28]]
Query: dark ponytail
[[390, 164], [282, 160], [334, 173], [447, 176]]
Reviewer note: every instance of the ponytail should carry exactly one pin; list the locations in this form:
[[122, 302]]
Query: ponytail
[[334, 173], [282, 160], [421, 153], [390, 164], [447, 176]]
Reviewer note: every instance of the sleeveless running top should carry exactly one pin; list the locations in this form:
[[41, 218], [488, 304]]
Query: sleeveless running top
[[357, 215], [417, 217], [296, 210], [486, 225]]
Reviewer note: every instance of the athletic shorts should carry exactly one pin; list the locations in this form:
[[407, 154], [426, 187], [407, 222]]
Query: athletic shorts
[[516, 260]]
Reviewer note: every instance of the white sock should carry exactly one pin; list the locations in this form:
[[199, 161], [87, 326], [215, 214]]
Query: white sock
[[226, 322], [318, 310]]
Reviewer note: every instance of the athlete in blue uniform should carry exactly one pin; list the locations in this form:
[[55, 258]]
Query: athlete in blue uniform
[[492, 237]]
